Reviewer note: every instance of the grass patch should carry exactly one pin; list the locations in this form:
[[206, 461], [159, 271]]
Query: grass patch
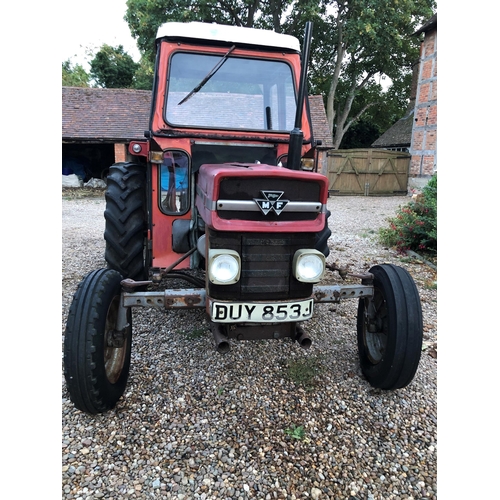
[[197, 333], [431, 284], [305, 371], [406, 260], [368, 233], [296, 432]]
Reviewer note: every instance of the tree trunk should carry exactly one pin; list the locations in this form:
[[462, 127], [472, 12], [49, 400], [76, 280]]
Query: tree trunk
[[341, 127], [276, 9], [251, 13], [330, 103]]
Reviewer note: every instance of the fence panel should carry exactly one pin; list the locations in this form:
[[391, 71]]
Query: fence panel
[[368, 172]]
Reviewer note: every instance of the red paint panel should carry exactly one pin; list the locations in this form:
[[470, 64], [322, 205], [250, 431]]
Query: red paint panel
[[209, 179], [163, 255]]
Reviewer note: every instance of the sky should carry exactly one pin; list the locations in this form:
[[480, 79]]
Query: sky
[[91, 24]]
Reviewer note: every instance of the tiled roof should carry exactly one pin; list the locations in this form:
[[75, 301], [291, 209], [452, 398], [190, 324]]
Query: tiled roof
[[431, 24], [116, 115], [321, 129], [399, 135], [121, 115]]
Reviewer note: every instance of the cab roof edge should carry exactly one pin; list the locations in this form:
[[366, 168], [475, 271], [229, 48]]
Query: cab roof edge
[[225, 33]]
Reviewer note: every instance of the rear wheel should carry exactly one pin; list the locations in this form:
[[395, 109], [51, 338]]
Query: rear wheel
[[125, 216], [389, 328], [96, 356]]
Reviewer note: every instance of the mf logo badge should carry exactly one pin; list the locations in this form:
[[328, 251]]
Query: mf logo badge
[[271, 202]]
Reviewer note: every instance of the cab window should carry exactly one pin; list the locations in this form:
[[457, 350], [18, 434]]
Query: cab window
[[174, 182]]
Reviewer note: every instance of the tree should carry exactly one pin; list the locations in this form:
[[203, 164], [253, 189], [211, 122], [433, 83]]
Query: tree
[[74, 75], [388, 106], [144, 75], [365, 40], [144, 17], [354, 42], [112, 67]]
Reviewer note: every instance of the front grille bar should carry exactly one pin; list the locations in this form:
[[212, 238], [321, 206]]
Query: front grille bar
[[251, 206]]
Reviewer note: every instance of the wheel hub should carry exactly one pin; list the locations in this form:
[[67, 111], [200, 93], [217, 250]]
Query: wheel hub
[[115, 344], [375, 332]]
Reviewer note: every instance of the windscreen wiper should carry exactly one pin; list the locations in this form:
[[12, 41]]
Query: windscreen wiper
[[212, 73]]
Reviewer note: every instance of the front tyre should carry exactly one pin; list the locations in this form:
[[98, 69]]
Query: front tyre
[[96, 356], [389, 326]]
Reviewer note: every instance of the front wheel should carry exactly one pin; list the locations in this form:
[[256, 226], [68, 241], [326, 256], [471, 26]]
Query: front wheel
[[389, 326], [96, 355]]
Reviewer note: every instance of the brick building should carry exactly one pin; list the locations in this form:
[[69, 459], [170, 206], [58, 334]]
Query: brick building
[[423, 147], [416, 132], [98, 125]]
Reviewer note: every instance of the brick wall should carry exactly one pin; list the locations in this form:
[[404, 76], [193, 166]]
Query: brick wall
[[423, 147], [120, 152]]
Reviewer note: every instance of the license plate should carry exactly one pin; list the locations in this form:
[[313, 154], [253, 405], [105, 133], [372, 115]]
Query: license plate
[[258, 312]]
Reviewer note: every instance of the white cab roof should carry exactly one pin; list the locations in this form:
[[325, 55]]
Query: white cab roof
[[231, 34]]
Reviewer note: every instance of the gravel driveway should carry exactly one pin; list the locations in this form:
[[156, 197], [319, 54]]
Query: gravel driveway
[[194, 423]]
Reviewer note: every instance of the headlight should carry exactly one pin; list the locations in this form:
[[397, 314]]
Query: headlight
[[223, 267], [308, 265], [307, 164]]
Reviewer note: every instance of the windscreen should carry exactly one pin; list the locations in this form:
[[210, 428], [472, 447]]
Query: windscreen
[[223, 92]]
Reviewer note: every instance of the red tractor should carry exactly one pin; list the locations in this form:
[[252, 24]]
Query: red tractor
[[225, 195]]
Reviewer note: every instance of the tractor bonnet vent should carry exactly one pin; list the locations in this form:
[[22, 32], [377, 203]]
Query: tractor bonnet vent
[[268, 199]]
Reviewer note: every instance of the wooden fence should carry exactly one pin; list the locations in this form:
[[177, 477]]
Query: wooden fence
[[368, 172]]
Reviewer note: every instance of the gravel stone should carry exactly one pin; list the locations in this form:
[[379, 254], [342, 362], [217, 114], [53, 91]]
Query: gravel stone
[[194, 423]]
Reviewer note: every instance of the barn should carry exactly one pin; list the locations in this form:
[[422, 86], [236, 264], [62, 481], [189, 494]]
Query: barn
[[99, 124]]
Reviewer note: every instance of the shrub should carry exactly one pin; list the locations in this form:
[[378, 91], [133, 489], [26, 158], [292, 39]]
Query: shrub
[[415, 225]]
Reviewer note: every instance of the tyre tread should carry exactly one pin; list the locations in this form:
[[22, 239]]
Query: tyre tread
[[125, 220], [400, 362], [83, 381]]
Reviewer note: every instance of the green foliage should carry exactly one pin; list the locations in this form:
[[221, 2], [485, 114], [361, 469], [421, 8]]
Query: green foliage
[[74, 75], [112, 68], [144, 75], [367, 40], [415, 225], [358, 44], [296, 432], [431, 285], [304, 371], [361, 135], [193, 334], [383, 108]]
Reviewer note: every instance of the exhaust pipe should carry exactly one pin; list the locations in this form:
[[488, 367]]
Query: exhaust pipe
[[296, 135], [221, 340], [302, 338]]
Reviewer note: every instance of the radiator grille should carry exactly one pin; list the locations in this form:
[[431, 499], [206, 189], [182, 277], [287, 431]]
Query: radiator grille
[[266, 265]]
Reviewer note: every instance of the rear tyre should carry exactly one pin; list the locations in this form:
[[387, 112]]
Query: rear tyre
[[96, 360], [125, 220], [389, 326]]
